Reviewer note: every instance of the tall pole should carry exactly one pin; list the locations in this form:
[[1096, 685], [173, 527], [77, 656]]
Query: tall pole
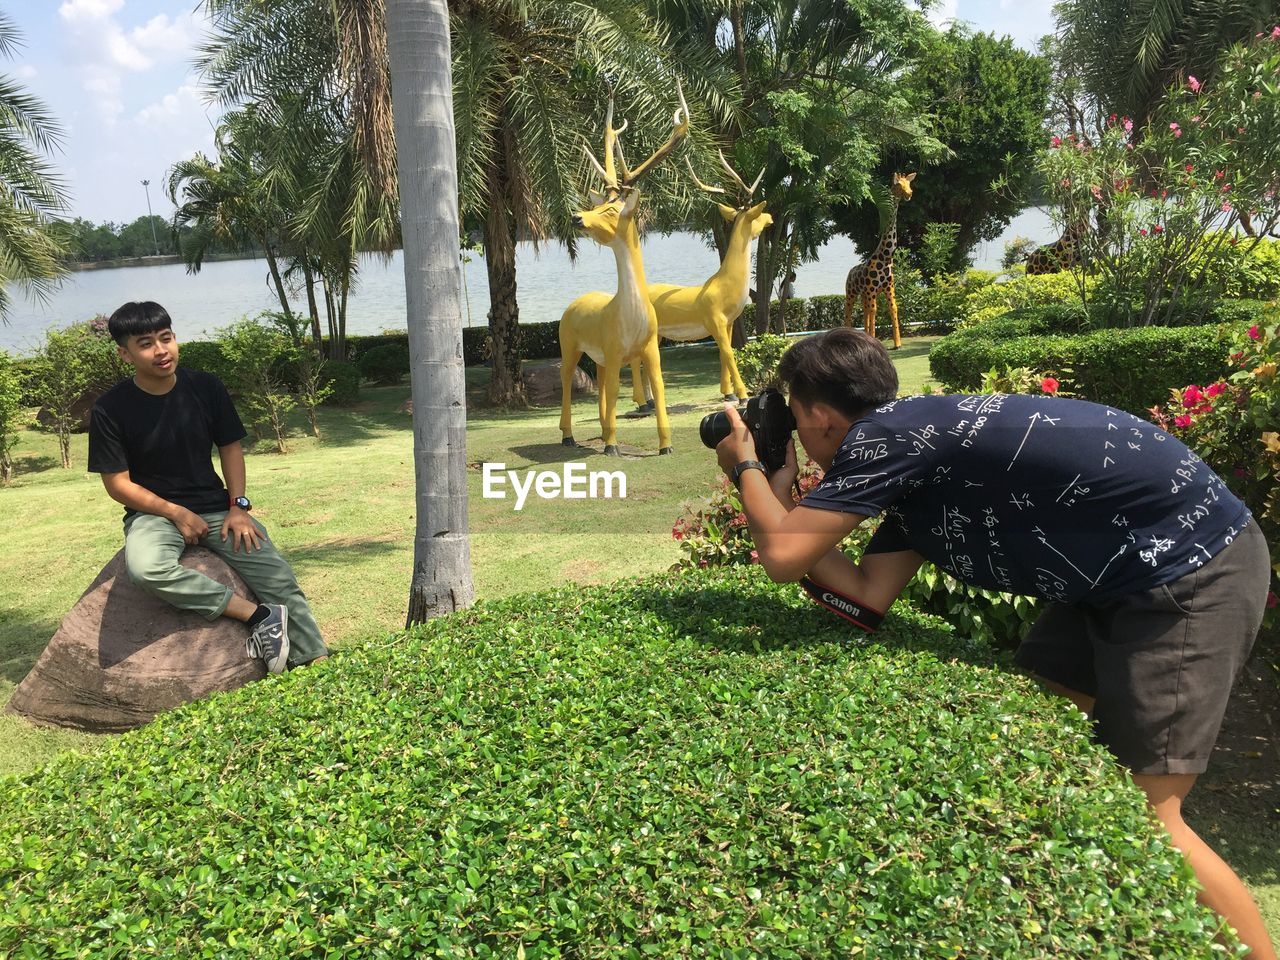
[[146, 186]]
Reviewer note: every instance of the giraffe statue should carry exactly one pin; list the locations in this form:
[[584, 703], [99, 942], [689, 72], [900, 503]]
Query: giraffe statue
[[1062, 254], [868, 280]]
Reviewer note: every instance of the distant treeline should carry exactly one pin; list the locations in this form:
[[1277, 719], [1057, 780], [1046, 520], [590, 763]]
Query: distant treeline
[[91, 242]]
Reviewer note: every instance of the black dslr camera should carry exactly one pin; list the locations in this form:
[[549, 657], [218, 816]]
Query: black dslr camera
[[767, 417]]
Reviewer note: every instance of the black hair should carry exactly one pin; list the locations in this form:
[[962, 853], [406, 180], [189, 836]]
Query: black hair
[[134, 319], [846, 369]]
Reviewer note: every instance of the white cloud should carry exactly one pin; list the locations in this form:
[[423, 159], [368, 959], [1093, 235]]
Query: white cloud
[[185, 101], [79, 11], [940, 14], [107, 52]]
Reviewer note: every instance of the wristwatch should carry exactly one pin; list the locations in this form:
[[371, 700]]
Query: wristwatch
[[242, 502], [743, 467]]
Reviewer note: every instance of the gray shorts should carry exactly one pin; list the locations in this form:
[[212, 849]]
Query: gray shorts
[[1160, 662]]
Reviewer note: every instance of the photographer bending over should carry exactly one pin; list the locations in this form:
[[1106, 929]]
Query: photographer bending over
[[1156, 574]]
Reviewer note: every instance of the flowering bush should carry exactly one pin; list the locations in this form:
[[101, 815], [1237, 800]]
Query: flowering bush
[[1234, 424], [1022, 380], [1164, 201], [715, 534]]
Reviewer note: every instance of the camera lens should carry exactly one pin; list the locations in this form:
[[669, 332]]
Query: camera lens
[[714, 428]]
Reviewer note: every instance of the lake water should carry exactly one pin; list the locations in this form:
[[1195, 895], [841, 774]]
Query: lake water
[[222, 293]]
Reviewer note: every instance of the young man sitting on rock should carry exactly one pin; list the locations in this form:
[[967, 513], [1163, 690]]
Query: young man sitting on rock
[[151, 438]]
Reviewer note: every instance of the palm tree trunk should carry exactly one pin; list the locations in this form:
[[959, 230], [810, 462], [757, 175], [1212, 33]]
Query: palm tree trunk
[[276, 279], [418, 38], [506, 387], [312, 308]]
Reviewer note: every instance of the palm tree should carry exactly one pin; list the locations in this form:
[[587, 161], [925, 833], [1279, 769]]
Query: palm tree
[[317, 74], [227, 201], [1128, 52], [420, 69], [31, 255]]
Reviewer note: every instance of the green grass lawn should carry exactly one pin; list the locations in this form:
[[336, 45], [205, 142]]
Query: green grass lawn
[[342, 511]]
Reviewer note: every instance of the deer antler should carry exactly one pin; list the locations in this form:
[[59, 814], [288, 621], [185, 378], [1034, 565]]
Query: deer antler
[[700, 184], [747, 192], [679, 130]]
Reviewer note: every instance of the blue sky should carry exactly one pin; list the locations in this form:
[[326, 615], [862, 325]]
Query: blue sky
[[117, 75]]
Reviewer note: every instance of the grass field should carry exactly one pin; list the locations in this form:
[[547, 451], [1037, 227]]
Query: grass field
[[342, 511]]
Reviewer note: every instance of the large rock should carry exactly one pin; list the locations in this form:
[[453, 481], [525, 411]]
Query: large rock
[[121, 656], [542, 382]]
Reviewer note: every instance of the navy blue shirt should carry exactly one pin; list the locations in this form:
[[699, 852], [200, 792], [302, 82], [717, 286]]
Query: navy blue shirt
[[1042, 496]]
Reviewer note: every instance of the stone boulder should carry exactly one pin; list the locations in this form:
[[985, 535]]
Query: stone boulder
[[542, 382], [121, 656]]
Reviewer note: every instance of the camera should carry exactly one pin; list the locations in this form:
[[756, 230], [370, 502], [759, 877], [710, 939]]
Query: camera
[[767, 417]]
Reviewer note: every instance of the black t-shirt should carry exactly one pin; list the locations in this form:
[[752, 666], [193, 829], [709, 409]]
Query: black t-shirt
[[166, 443], [1042, 496]]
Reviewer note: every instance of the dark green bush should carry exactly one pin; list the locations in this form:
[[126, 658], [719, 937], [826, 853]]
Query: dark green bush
[[632, 770], [386, 364], [343, 379], [206, 356], [1126, 368]]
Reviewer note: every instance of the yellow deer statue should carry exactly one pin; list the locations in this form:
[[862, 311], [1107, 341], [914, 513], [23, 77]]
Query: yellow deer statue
[[616, 329], [691, 313]]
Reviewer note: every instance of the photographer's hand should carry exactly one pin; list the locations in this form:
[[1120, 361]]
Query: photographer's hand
[[738, 445], [783, 480]]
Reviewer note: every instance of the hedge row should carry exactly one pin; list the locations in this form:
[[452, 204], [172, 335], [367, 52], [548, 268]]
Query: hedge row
[[1132, 369], [641, 769]]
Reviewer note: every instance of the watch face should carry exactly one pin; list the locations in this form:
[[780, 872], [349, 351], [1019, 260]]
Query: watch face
[[242, 503]]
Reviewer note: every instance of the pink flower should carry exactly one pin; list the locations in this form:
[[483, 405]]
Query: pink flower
[[1173, 126], [1194, 84], [1181, 422], [1142, 232], [1197, 118], [1055, 142], [1128, 125], [1190, 167], [755, 556], [1066, 182], [1219, 174], [1214, 389], [1272, 599], [1191, 395], [1226, 207], [1177, 133], [1254, 333], [1049, 385], [1157, 229], [702, 563], [1096, 191], [1275, 33]]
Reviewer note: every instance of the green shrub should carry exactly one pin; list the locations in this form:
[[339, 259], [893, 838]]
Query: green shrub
[[343, 382], [689, 766], [1130, 368], [988, 301], [384, 365], [758, 361], [825, 312], [10, 415], [208, 357], [259, 355]]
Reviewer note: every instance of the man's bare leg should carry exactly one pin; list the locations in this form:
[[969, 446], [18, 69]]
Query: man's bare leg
[[1223, 891]]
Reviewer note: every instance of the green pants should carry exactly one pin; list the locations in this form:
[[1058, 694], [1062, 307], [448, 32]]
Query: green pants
[[152, 546]]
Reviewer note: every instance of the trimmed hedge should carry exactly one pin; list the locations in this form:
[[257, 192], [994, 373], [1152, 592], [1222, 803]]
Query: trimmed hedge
[[640, 769], [1131, 369]]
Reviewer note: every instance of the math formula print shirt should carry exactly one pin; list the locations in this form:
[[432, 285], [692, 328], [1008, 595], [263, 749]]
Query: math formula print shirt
[[1041, 496]]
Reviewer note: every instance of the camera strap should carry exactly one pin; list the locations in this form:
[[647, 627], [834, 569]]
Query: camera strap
[[856, 612]]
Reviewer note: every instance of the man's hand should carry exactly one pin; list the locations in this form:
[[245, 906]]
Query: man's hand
[[738, 445], [190, 525], [239, 526], [783, 479]]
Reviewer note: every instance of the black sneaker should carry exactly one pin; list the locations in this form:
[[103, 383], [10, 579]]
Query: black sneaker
[[269, 641]]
